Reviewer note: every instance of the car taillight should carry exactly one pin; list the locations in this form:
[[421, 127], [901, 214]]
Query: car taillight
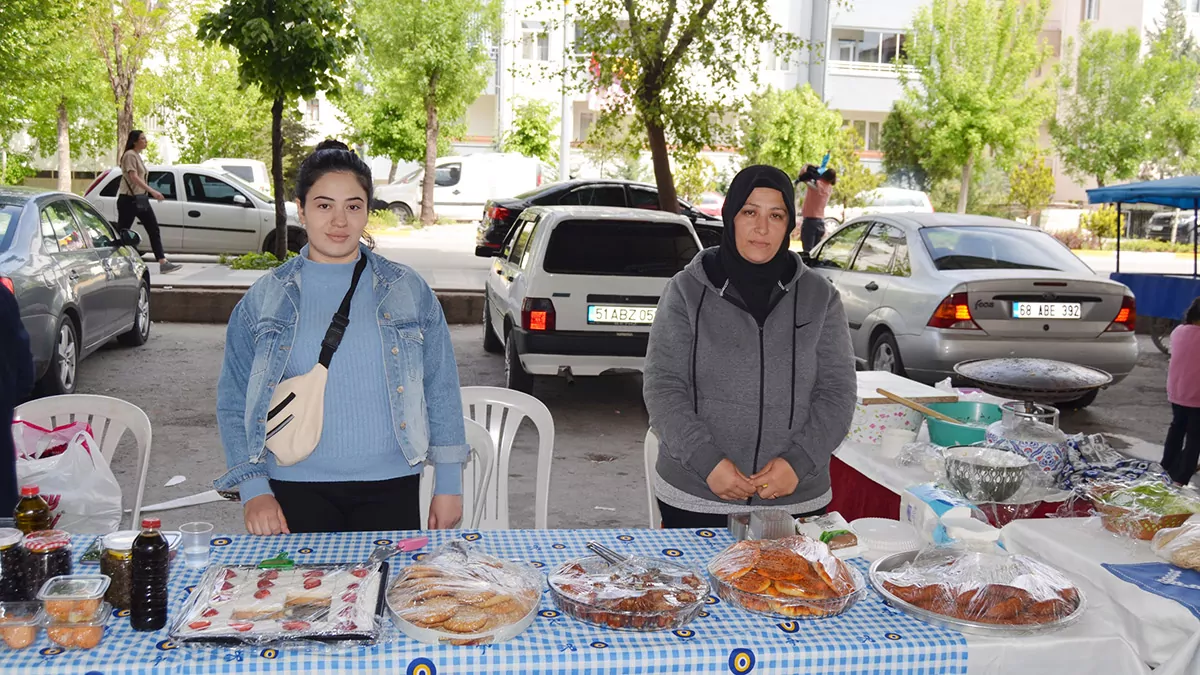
[[96, 182], [954, 313], [499, 213], [7, 283], [1126, 321], [537, 314]]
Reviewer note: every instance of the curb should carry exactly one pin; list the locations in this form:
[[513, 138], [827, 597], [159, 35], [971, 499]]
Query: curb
[[215, 305]]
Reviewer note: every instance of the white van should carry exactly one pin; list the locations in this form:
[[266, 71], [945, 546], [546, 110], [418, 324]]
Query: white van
[[886, 200], [463, 185], [251, 171]]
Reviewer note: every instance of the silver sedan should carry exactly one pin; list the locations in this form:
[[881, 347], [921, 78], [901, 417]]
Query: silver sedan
[[924, 292], [77, 282]]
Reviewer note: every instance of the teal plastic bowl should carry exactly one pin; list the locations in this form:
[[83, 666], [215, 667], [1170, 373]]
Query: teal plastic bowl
[[977, 415]]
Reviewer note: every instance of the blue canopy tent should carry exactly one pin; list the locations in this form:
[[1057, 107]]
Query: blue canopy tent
[[1164, 297]]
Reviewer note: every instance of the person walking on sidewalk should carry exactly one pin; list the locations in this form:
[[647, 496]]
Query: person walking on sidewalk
[[1181, 452], [133, 197], [816, 197]]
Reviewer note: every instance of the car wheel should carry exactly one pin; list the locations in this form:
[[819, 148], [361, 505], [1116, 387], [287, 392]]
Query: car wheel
[[515, 376], [140, 333], [64, 362], [885, 355], [401, 211], [1081, 402], [491, 343]]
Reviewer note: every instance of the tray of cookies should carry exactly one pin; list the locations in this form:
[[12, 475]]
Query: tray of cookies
[[794, 577], [984, 593], [636, 594], [459, 595], [249, 604]]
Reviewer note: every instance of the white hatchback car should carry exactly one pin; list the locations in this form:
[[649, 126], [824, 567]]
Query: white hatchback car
[[574, 289], [205, 211]]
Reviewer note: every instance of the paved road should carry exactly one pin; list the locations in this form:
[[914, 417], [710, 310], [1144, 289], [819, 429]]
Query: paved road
[[597, 481]]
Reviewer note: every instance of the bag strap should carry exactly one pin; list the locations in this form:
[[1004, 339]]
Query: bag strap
[[337, 327]]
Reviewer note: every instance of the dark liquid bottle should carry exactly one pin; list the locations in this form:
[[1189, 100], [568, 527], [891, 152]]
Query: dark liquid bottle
[[32, 512], [148, 590]]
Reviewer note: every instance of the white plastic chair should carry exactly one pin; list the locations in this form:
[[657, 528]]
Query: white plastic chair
[[502, 411], [109, 418], [650, 456], [477, 473]]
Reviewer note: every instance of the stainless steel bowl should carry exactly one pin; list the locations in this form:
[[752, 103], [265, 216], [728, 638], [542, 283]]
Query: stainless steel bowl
[[981, 481]]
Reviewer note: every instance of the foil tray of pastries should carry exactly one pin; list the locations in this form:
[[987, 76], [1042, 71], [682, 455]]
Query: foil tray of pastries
[[795, 577], [985, 593], [247, 604], [461, 596], [636, 594]]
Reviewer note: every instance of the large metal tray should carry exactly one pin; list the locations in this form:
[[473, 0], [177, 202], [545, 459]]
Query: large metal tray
[[1026, 379], [891, 562]]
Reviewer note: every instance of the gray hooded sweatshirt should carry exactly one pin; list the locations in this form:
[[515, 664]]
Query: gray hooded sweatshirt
[[718, 386]]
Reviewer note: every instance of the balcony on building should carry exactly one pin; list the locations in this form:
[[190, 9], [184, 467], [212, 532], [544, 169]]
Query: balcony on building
[[862, 72]]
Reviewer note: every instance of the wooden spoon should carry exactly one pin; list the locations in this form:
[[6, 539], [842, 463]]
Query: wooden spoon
[[917, 406]]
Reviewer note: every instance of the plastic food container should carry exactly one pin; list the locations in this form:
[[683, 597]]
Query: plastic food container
[[85, 633], [771, 524], [795, 578], [1141, 509], [884, 537], [20, 623], [12, 567], [73, 598], [648, 595]]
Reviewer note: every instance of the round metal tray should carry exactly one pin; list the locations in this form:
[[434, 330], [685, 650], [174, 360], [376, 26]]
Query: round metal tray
[[891, 562], [1041, 380]]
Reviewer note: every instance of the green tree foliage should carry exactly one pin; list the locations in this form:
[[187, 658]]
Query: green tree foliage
[[532, 132], [855, 180], [653, 53], [974, 61], [906, 157], [1100, 129], [1102, 222], [1031, 184], [614, 148], [436, 52], [694, 176], [20, 21], [387, 119], [1173, 73], [15, 167], [789, 128], [288, 49]]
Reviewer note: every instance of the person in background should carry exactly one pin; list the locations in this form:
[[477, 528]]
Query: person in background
[[1181, 452], [392, 397], [16, 380], [133, 183], [816, 197]]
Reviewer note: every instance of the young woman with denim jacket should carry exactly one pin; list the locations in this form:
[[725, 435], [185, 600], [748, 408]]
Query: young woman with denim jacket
[[392, 399]]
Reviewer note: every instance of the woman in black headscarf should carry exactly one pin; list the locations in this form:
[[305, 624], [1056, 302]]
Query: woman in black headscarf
[[749, 375]]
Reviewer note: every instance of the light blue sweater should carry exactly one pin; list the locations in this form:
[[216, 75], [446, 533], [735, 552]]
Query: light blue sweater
[[357, 442]]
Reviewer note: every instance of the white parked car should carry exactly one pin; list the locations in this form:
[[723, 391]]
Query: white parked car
[[463, 185], [205, 211], [251, 171], [886, 200], [574, 289]]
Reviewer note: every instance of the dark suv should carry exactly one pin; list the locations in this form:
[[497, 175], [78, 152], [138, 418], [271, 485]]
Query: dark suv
[[499, 215]]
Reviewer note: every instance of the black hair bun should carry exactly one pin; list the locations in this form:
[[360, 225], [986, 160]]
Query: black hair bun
[[830, 176], [332, 144]]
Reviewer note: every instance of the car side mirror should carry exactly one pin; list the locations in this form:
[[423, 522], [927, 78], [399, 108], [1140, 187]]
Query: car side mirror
[[240, 200], [130, 238], [485, 252]]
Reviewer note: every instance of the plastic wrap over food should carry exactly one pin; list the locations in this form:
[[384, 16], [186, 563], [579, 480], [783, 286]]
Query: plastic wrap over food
[[460, 595], [641, 594], [245, 604], [1140, 508], [928, 456], [1179, 545], [794, 577], [991, 588]]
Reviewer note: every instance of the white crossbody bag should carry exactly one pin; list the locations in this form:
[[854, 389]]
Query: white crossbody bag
[[297, 413]]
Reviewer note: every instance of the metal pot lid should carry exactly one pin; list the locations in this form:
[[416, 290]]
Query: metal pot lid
[[1042, 375]]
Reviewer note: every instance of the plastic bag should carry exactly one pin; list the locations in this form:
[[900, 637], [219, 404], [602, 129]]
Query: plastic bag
[[992, 587], [640, 594], [246, 604], [1141, 508], [1179, 545], [795, 577], [929, 456], [32, 441], [461, 596], [83, 494]]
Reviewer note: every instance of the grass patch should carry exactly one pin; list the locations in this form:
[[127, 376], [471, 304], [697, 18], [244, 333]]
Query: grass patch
[[254, 261]]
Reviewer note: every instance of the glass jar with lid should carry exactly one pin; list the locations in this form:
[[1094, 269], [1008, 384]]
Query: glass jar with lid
[[116, 562], [47, 554], [12, 566]]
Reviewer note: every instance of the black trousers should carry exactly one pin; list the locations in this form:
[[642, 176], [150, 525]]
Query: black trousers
[[127, 210], [384, 505], [1182, 449], [673, 518], [812, 230]]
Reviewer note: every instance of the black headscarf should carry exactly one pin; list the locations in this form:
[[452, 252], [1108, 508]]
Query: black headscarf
[[756, 282]]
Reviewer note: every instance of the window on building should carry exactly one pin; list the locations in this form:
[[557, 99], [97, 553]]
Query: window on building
[[312, 111], [867, 46], [1091, 9], [1193, 6], [773, 60], [535, 41], [868, 132]]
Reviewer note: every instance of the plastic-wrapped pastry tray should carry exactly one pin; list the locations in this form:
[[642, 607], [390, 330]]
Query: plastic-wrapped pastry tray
[[642, 594]]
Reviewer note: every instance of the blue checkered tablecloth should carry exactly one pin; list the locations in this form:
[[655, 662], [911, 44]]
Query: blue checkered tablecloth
[[870, 638]]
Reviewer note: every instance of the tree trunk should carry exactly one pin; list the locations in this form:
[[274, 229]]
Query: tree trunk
[[964, 188], [64, 149], [125, 115], [392, 172], [667, 199], [431, 136], [281, 248]]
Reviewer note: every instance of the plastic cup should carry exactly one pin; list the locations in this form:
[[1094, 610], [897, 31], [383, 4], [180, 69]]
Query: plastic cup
[[197, 538], [894, 441]]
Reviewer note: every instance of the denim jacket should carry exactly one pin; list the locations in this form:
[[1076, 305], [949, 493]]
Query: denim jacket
[[421, 372]]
